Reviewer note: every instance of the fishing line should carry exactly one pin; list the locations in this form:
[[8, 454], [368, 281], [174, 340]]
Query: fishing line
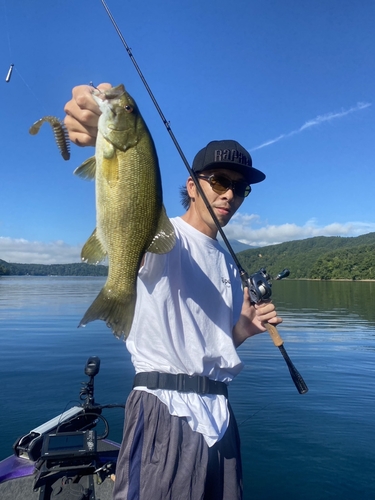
[[31, 90], [7, 28], [272, 330], [8, 77], [13, 67], [253, 414], [9, 74]]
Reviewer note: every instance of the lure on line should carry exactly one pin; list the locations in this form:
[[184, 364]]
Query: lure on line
[[9, 75], [59, 131]]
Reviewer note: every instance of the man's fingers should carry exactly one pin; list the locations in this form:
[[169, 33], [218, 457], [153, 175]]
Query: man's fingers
[[81, 135], [81, 126], [104, 86], [266, 312], [82, 97], [275, 321], [82, 114]]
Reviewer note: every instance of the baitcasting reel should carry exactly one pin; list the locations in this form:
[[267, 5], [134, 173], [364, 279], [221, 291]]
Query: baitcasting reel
[[260, 284]]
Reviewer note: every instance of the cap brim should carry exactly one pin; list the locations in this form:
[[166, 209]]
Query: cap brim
[[251, 174]]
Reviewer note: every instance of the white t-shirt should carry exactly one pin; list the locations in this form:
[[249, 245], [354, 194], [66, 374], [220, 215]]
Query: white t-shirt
[[188, 301]]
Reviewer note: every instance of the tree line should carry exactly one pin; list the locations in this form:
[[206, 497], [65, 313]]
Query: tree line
[[322, 258], [74, 269]]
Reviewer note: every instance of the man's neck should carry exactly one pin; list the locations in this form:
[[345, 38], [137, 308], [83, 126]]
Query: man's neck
[[200, 225]]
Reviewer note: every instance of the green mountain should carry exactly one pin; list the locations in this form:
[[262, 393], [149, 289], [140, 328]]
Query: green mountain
[[322, 257], [236, 245], [80, 269]]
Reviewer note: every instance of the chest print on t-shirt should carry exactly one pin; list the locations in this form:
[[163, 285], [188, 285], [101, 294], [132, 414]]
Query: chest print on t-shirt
[[226, 281]]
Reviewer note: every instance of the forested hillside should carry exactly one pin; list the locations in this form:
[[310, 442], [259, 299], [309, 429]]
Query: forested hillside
[[322, 257], [9, 269]]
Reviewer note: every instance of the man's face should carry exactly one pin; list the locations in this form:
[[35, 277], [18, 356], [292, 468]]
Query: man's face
[[224, 205]]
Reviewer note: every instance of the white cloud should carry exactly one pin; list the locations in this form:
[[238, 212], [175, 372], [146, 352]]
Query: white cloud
[[37, 252], [246, 228], [315, 122], [250, 229]]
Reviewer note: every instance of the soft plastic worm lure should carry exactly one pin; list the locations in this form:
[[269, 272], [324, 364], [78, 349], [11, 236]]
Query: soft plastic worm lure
[[59, 131]]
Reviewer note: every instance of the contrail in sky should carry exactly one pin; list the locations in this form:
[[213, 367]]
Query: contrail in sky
[[314, 122]]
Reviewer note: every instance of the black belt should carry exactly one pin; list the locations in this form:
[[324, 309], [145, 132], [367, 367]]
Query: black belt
[[180, 382]]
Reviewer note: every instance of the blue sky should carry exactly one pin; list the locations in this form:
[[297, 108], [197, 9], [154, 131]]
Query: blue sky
[[292, 81]]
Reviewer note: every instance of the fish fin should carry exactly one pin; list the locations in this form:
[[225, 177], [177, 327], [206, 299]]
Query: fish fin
[[87, 170], [165, 238], [93, 251], [117, 313]]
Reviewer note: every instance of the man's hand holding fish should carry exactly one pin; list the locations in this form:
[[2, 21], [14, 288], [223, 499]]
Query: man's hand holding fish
[[82, 115]]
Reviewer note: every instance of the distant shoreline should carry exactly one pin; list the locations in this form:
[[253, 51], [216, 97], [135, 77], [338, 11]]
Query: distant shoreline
[[103, 276]]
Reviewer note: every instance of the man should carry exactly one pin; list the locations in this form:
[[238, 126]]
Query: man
[[180, 437]]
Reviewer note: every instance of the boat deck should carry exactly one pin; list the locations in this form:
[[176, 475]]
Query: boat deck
[[17, 477]]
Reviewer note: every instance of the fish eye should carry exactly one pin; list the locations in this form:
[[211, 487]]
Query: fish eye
[[128, 108]]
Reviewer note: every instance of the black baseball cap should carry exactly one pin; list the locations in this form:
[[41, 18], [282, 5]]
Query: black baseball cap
[[230, 155]]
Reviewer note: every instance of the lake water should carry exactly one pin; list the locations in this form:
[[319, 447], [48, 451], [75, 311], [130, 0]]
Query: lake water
[[320, 445]]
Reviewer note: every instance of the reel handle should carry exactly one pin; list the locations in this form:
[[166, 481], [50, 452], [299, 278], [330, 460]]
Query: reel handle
[[284, 274]]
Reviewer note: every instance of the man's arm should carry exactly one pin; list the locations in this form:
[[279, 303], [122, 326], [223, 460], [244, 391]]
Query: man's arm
[[252, 319]]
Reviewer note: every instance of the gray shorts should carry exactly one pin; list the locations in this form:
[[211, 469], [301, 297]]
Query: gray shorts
[[161, 458]]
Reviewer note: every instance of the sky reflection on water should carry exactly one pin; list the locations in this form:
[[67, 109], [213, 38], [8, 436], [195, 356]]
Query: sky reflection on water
[[312, 446]]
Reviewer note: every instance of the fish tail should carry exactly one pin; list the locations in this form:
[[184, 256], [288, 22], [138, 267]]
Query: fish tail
[[117, 312]]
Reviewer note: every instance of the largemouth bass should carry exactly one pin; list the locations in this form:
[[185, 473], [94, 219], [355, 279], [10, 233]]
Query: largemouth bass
[[130, 215]]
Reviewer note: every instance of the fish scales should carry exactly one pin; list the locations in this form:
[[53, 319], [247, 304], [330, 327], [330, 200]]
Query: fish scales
[[126, 217], [131, 218]]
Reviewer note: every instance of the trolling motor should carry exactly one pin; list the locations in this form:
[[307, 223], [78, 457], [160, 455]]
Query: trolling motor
[[87, 391], [75, 419], [69, 454]]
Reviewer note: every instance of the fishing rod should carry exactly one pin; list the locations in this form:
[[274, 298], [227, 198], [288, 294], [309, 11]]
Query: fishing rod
[[259, 290]]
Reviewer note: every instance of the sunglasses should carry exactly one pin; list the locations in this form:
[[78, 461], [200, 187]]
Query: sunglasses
[[221, 184]]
